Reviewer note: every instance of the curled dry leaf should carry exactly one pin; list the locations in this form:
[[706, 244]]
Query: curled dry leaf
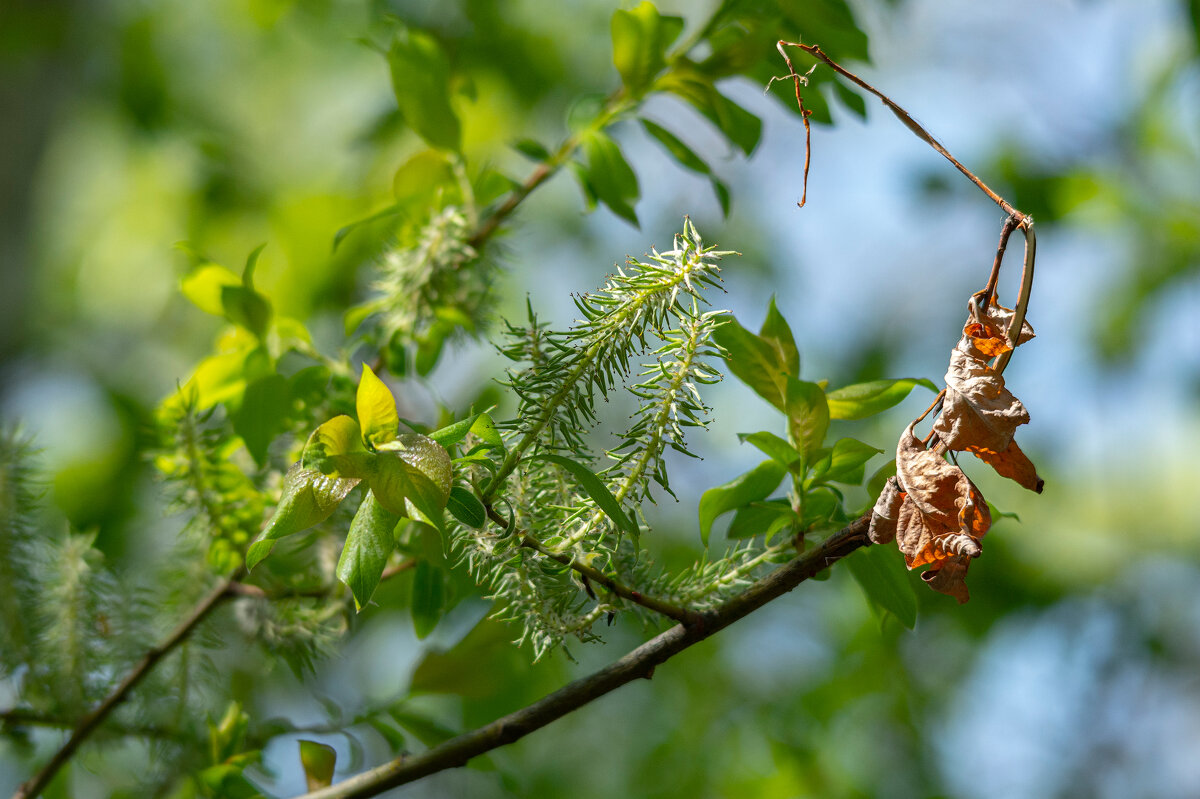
[[979, 415], [935, 513]]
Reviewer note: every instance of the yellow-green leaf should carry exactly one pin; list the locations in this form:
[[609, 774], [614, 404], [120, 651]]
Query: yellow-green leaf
[[376, 409]]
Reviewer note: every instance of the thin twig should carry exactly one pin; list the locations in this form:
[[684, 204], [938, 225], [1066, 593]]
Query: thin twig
[[1022, 221], [638, 664], [19, 717], [798, 79], [661, 606]]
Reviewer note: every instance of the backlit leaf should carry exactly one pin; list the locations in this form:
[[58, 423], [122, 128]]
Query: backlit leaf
[[861, 400], [318, 760], [754, 361], [421, 81], [641, 37], [776, 332], [609, 175], [808, 414], [376, 409]]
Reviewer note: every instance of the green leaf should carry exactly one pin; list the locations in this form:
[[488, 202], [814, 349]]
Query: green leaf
[[426, 730], [309, 498], [754, 485], [776, 332], [421, 80], [466, 507], [262, 414], [847, 461], [773, 446], [204, 284], [641, 37], [808, 414], [821, 506], [419, 181], [376, 409], [336, 447], [761, 518], [407, 490], [595, 489], [428, 598], [609, 176], [736, 123], [531, 149], [346, 230], [455, 432], [861, 400], [368, 547], [754, 361], [485, 430], [688, 159], [999, 514], [678, 150], [880, 572], [318, 760]]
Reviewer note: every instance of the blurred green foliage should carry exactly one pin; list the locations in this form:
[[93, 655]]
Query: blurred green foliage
[[299, 123]]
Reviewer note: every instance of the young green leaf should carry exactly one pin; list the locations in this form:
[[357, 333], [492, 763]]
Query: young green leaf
[[309, 498], [773, 446], [318, 760], [428, 598], [466, 507], [861, 400], [736, 123], [204, 284], [455, 432], [880, 572], [595, 489], [776, 332], [368, 546], [336, 448], [411, 476], [641, 37], [609, 175], [754, 485], [688, 159], [808, 414], [421, 80], [754, 361], [761, 518], [847, 462], [376, 409]]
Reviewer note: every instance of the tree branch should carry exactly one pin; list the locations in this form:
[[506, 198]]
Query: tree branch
[[640, 663]]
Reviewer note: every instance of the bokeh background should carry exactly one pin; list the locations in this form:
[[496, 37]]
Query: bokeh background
[[127, 127]]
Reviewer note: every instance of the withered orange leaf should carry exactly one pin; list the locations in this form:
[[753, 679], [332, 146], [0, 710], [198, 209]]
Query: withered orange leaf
[[1011, 463], [941, 516], [988, 327], [950, 578], [979, 415]]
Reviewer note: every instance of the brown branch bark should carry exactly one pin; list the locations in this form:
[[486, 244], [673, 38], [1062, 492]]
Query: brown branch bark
[[638, 664]]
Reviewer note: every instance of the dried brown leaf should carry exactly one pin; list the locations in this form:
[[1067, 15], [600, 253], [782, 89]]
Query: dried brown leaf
[[942, 515], [886, 513], [1011, 463], [978, 410], [950, 578]]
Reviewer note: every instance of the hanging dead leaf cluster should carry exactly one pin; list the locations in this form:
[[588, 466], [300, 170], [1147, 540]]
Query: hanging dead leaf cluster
[[931, 508]]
